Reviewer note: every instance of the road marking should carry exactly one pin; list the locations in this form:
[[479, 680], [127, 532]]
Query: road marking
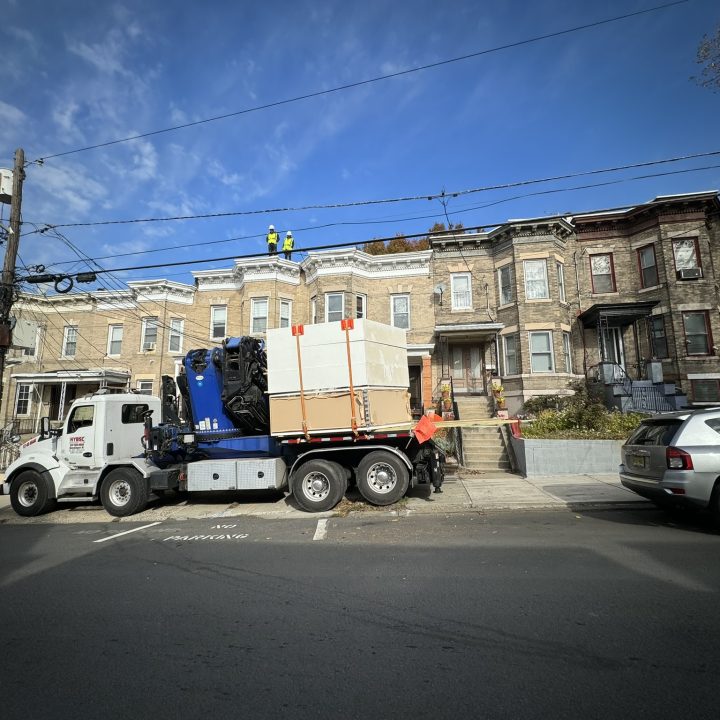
[[321, 530], [110, 537]]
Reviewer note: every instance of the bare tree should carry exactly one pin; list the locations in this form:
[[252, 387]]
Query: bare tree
[[708, 56]]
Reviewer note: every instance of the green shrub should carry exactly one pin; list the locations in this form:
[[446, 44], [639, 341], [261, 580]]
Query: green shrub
[[593, 422]]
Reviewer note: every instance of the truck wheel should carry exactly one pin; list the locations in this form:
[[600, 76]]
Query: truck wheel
[[318, 485], [124, 492], [30, 495], [382, 478]]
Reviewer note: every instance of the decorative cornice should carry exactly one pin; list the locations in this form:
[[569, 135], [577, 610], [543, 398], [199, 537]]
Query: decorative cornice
[[362, 264]]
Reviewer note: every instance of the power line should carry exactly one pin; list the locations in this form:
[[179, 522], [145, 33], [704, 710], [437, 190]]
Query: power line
[[536, 193], [386, 201], [368, 81]]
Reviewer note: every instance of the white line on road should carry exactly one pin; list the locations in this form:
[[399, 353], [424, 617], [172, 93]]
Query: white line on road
[[127, 531], [321, 530]]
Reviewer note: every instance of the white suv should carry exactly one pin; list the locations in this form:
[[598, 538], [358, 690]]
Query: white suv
[[674, 458]]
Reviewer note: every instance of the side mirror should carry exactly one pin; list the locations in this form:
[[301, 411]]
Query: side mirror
[[15, 438], [44, 427]]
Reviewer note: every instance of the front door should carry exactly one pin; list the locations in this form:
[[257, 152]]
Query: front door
[[466, 363], [613, 350]]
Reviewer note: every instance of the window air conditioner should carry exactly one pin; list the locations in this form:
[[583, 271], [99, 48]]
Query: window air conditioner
[[689, 273]]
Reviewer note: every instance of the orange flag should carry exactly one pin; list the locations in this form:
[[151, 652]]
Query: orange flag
[[424, 429]]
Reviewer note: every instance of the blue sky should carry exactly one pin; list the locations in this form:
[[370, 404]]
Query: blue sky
[[77, 73]]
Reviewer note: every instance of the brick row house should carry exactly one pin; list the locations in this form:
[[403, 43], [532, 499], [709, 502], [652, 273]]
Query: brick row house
[[627, 298]]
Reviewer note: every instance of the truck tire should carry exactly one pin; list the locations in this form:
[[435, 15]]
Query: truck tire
[[124, 492], [382, 478], [30, 494], [318, 485]]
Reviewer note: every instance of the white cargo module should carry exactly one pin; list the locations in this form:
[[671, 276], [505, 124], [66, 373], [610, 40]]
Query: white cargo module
[[321, 401], [378, 356]]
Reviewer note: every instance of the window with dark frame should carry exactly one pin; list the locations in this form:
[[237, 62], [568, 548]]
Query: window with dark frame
[[686, 253], [698, 339], [705, 390], [505, 282], [602, 273], [658, 337], [648, 266]]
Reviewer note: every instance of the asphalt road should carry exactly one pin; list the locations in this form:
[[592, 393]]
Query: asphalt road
[[605, 614]]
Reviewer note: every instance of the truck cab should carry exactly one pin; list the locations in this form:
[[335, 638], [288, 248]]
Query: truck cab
[[102, 432]]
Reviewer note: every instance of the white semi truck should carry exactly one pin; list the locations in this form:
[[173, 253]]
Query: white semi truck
[[109, 448]]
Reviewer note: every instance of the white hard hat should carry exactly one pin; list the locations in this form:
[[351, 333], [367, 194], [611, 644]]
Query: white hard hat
[[289, 232], [272, 227]]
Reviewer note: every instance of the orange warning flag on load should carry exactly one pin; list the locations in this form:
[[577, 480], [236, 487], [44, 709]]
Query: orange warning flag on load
[[425, 429]]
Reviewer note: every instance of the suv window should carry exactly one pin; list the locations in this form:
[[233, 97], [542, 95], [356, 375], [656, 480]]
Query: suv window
[[714, 424], [655, 432]]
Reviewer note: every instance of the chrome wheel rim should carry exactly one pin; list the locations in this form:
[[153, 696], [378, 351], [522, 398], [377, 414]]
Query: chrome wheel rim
[[316, 486], [120, 493], [28, 493], [382, 478]]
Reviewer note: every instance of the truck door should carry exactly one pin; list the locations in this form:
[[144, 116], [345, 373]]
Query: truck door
[[78, 442]]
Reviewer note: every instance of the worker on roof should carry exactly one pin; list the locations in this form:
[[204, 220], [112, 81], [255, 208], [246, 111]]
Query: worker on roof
[[272, 240], [288, 245]]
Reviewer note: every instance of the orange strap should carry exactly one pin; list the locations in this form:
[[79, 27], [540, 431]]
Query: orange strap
[[348, 324], [297, 331]]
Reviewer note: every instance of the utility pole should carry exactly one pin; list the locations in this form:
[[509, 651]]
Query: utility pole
[[7, 284]]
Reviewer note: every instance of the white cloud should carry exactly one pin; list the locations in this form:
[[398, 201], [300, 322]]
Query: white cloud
[[10, 115], [68, 186]]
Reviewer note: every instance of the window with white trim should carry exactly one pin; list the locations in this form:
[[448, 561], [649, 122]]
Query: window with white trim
[[461, 291], [258, 315], [536, 281], [313, 310], [360, 306], [218, 322], [115, 338], [149, 333], [285, 313], [70, 335], [567, 352], [22, 399], [334, 307], [145, 387], [561, 281], [698, 338], [511, 347], [400, 311], [505, 284], [177, 330], [541, 351]]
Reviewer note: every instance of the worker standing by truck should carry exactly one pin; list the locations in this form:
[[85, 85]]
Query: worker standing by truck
[[272, 240], [288, 245]]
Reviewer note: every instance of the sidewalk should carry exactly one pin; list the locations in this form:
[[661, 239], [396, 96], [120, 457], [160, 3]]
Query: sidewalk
[[463, 491]]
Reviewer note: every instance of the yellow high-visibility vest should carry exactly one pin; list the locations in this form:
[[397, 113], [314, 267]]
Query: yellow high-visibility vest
[[272, 238], [288, 243]]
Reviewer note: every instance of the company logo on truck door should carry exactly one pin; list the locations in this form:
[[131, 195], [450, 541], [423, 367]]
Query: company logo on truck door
[[77, 442]]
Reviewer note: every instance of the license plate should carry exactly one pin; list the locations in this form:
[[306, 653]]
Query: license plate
[[637, 461]]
